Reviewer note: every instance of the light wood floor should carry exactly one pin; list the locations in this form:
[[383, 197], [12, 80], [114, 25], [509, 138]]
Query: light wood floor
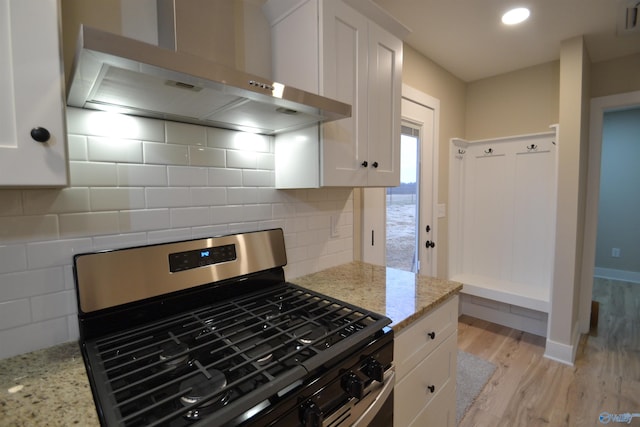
[[528, 390]]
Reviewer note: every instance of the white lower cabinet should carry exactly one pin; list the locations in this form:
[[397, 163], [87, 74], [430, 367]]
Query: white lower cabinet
[[425, 358]]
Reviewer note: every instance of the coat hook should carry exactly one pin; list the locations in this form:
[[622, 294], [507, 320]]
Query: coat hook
[[532, 147], [489, 151]]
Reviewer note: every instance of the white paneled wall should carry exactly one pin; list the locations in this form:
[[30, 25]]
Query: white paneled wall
[[136, 181]]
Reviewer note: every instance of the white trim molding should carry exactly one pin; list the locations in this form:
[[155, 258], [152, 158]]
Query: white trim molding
[[598, 107], [621, 275], [563, 353]]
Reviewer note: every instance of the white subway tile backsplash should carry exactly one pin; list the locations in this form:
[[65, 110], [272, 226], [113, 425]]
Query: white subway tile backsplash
[[10, 202], [172, 197], [208, 196], [77, 147], [12, 258], [14, 313], [220, 138], [185, 134], [27, 228], [187, 176], [165, 154], [225, 177], [141, 181], [112, 199], [226, 214], [100, 123], [209, 231], [203, 156], [190, 217], [266, 161], [89, 223], [31, 283], [142, 176], [114, 150], [241, 195], [57, 252], [144, 220], [172, 235], [89, 174], [256, 212], [242, 159], [50, 306], [66, 200], [33, 336], [119, 241], [258, 178], [251, 142]]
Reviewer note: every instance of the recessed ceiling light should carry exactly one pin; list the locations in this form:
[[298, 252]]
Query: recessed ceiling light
[[515, 16]]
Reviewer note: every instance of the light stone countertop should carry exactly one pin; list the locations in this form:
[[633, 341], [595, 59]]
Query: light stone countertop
[[50, 388]]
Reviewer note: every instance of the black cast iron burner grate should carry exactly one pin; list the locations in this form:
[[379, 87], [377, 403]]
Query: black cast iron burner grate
[[224, 358]]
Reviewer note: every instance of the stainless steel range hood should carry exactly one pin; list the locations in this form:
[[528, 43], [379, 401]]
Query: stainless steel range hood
[[115, 73]]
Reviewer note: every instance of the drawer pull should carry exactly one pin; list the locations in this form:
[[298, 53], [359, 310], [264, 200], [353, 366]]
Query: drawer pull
[[432, 335], [431, 388]]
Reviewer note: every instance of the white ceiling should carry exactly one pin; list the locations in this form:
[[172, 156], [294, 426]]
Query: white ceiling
[[467, 38]]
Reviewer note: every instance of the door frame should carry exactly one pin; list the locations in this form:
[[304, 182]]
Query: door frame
[[360, 238], [599, 106]]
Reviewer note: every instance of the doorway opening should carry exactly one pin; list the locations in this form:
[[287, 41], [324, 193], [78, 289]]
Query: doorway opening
[[403, 204]]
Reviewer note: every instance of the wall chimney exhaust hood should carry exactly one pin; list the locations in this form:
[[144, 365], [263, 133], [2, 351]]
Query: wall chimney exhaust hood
[[115, 73]]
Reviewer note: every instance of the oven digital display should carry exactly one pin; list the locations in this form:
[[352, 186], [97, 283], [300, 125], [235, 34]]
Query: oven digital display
[[181, 261]]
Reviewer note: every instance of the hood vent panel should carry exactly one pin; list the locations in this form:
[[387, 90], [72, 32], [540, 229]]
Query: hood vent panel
[[119, 74]]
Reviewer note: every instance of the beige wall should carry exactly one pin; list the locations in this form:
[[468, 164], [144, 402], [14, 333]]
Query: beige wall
[[425, 75], [615, 76], [572, 161], [520, 102]]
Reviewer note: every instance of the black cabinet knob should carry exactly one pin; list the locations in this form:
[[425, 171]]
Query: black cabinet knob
[[430, 244], [432, 388], [374, 164], [432, 335], [40, 134], [365, 164]]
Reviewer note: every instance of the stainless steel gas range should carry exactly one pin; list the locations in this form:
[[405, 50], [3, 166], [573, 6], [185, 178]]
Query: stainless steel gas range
[[209, 332]]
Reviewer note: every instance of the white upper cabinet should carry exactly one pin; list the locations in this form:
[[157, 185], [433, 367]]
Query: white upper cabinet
[[328, 47], [32, 130]]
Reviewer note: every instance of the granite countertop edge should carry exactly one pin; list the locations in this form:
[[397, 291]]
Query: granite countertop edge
[[50, 386]]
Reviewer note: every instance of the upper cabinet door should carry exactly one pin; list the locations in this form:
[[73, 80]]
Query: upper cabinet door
[[32, 131], [384, 115], [344, 77]]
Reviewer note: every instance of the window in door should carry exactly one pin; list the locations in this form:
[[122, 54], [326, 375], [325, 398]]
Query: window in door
[[403, 206]]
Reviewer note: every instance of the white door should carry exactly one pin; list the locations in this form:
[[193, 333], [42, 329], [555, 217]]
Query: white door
[[419, 121]]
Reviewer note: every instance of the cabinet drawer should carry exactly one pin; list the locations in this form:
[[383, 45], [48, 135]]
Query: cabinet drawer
[[413, 393], [414, 343], [440, 411]]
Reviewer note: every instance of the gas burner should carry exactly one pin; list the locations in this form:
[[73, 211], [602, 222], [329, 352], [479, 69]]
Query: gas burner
[[174, 354], [309, 334], [207, 382]]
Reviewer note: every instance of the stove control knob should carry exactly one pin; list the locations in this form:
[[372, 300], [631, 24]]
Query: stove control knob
[[311, 415], [352, 384], [374, 370]]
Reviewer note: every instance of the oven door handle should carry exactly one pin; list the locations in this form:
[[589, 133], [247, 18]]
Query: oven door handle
[[369, 414]]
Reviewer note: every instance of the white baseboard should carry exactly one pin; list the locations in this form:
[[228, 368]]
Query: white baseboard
[[613, 274], [563, 353]]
